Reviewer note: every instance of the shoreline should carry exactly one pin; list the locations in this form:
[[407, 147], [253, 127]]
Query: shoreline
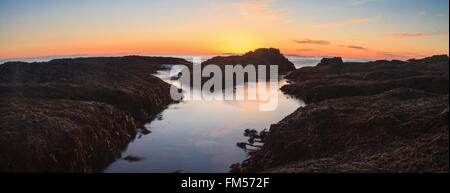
[[354, 124], [76, 115], [56, 105]]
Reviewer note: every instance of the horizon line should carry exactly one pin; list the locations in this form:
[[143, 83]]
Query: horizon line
[[147, 54]]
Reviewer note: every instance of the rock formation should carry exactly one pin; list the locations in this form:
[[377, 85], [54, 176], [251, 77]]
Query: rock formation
[[332, 78], [76, 114], [261, 56], [383, 116]]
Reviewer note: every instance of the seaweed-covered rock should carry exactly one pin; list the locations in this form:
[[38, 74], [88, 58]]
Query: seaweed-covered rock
[[401, 130], [76, 114], [261, 56], [381, 116], [334, 79]]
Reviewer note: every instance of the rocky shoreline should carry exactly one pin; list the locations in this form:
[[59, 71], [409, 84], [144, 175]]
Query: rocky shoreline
[[382, 116], [76, 115], [261, 56]]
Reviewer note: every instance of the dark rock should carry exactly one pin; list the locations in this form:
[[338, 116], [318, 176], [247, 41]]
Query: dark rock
[[125, 82], [261, 56], [38, 135], [76, 115], [380, 133], [145, 131], [330, 61], [382, 116], [333, 79], [235, 168], [133, 158]]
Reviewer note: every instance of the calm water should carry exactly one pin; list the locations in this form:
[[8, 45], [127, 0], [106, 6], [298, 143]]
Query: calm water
[[299, 61], [201, 136]]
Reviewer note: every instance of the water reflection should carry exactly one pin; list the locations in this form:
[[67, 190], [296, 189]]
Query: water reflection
[[201, 136]]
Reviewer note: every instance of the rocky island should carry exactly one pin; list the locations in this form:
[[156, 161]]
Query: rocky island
[[382, 116], [76, 115], [261, 56]]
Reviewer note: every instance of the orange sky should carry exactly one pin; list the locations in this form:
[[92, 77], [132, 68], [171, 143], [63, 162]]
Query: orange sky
[[347, 28]]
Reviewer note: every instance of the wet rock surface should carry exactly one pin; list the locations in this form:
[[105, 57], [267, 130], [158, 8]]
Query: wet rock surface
[[261, 56], [76, 114], [124, 82], [332, 78], [384, 116], [61, 135]]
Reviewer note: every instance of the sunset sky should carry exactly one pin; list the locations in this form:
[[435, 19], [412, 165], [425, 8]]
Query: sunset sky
[[393, 29]]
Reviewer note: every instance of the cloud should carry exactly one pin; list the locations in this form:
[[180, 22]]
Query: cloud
[[257, 7], [357, 47], [308, 41], [218, 132], [359, 2], [413, 35], [359, 20], [422, 13], [260, 9], [379, 17], [305, 50], [341, 23]]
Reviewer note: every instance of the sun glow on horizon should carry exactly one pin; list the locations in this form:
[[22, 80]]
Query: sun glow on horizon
[[238, 43], [370, 29]]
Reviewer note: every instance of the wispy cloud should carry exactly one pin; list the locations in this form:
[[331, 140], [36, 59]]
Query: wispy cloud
[[357, 47], [308, 41], [260, 9], [422, 13], [305, 50], [413, 35], [257, 7], [341, 23], [218, 132], [379, 17], [354, 47], [359, 2]]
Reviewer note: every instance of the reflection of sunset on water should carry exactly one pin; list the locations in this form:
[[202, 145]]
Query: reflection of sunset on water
[[201, 135]]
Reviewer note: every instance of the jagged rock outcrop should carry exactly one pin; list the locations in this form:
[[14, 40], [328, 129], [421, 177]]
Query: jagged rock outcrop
[[76, 114], [330, 61], [261, 56], [334, 79]]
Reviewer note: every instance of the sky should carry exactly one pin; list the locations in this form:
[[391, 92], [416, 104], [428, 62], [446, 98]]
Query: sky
[[376, 29]]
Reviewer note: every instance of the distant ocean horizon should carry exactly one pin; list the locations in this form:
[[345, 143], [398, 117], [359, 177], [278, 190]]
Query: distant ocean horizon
[[298, 60]]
